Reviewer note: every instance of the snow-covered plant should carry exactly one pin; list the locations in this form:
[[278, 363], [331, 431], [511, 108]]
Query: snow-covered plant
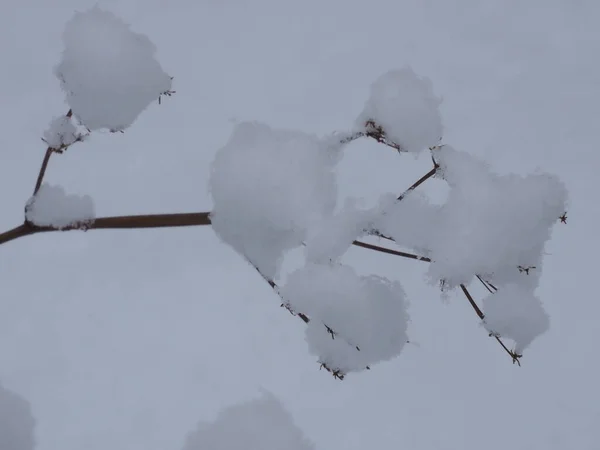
[[275, 190]]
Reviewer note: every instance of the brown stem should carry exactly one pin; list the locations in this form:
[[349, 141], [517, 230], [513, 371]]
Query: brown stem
[[40, 178], [419, 182], [471, 301], [513, 355], [489, 286], [115, 223], [16, 233], [390, 251], [42, 172], [415, 185]]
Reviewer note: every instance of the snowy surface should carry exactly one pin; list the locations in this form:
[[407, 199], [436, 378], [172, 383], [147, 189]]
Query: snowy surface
[[17, 424], [108, 72], [404, 106], [51, 206], [516, 313], [269, 188], [260, 424], [126, 340], [366, 316]]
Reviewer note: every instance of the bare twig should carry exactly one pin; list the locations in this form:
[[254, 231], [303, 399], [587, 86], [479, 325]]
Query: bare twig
[[489, 286], [42, 172], [418, 183], [472, 302], [390, 251], [515, 357], [115, 222]]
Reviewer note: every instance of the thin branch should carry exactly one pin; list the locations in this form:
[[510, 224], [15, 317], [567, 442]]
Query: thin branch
[[390, 251], [16, 233], [472, 302], [489, 286], [515, 357], [415, 185], [418, 183], [115, 223], [42, 172]]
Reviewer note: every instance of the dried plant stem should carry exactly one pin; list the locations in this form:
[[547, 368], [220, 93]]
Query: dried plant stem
[[115, 223], [48, 154], [513, 355], [418, 183], [390, 251]]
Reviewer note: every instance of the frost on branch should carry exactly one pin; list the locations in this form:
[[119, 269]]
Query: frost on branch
[[515, 313], [269, 187], [51, 206], [61, 133], [17, 424], [403, 106], [261, 424], [108, 72], [367, 316]]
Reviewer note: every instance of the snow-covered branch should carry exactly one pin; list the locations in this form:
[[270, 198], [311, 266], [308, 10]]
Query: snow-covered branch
[[275, 190]]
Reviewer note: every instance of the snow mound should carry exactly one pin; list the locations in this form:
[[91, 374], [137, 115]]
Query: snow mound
[[366, 315], [269, 187], [108, 72], [405, 107], [53, 207], [515, 313]]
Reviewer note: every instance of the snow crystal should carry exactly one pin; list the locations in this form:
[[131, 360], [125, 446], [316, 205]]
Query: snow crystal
[[53, 207], [61, 133], [365, 312], [109, 73], [17, 424], [491, 224], [269, 187], [515, 313], [261, 424], [404, 106]]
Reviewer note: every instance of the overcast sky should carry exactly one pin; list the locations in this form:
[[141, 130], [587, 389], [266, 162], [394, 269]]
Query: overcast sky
[[124, 340]]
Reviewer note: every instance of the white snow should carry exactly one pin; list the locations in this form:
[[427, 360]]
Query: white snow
[[367, 312], [108, 72], [269, 187], [516, 313], [411, 222], [17, 424], [404, 105], [330, 239], [53, 207], [61, 133], [260, 424], [491, 224]]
